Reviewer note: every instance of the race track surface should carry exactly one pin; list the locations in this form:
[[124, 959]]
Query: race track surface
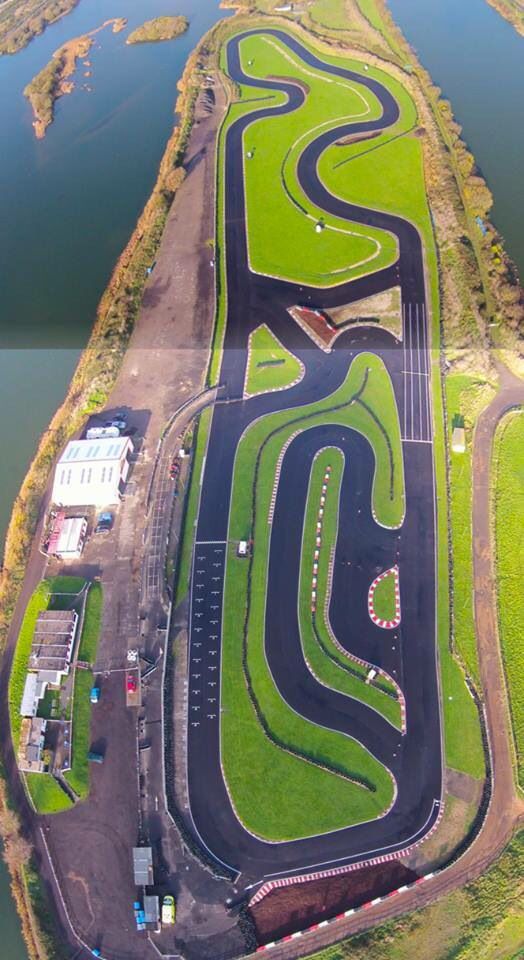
[[414, 758]]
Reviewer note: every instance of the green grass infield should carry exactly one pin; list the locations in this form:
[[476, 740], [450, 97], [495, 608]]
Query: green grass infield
[[270, 365], [384, 605]]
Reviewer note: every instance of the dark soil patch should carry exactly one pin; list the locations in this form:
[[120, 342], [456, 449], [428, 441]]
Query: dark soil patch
[[287, 909]]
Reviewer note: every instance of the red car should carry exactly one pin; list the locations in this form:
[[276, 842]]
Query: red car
[[131, 685]]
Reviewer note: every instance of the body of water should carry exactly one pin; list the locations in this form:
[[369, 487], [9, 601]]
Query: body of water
[[68, 204]]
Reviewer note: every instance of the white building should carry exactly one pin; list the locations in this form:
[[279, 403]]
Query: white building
[[92, 472]]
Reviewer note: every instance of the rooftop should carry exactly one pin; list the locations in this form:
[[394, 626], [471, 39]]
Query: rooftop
[[83, 451]]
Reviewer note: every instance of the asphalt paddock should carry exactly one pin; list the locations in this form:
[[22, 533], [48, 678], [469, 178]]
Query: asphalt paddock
[[414, 759]]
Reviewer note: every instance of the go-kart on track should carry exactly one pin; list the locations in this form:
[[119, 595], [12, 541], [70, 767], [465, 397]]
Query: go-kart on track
[[414, 759]]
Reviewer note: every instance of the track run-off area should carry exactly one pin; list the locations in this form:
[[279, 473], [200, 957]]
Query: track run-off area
[[313, 734]]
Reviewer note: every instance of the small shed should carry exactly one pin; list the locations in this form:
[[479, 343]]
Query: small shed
[[29, 705], [151, 909], [70, 542], [143, 866], [458, 440]]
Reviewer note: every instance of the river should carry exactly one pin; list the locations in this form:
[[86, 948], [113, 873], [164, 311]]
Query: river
[[68, 203]]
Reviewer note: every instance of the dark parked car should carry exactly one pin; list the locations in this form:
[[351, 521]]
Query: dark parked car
[[104, 523]]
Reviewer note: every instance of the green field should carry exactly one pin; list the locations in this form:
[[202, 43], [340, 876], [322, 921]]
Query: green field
[[482, 921], [270, 365], [326, 662], [508, 497], [330, 13], [47, 795], [384, 598], [281, 235]]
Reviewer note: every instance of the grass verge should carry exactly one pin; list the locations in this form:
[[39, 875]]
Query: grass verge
[[78, 776], [466, 396], [508, 504], [88, 647]]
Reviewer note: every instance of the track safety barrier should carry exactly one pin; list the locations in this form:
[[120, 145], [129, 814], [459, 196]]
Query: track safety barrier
[[385, 624], [339, 916]]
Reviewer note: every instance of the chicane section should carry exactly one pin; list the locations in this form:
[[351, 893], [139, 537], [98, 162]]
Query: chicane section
[[254, 299]]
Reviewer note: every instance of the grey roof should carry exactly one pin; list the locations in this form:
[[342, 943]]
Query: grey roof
[[143, 866], [151, 909]]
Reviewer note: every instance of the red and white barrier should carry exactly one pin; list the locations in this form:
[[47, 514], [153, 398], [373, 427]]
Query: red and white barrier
[[385, 624]]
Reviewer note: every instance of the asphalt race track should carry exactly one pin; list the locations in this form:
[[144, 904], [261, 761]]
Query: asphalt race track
[[363, 547]]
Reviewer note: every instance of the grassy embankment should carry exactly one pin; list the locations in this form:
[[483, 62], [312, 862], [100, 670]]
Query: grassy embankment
[[282, 238], [21, 20], [326, 662], [384, 598], [464, 750], [256, 722], [511, 10], [161, 28], [482, 921], [270, 366], [329, 13], [508, 504], [466, 396]]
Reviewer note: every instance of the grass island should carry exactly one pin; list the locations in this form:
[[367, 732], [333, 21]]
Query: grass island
[[161, 28]]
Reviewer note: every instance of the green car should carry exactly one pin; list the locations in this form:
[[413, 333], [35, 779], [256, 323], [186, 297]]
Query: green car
[[168, 909]]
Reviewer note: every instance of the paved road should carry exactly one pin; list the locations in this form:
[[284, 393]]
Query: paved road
[[415, 759]]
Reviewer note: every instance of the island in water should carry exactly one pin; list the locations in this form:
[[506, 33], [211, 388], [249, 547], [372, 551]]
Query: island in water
[[21, 21], [52, 82], [161, 28]]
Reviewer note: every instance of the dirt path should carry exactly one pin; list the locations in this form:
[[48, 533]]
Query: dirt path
[[506, 810]]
